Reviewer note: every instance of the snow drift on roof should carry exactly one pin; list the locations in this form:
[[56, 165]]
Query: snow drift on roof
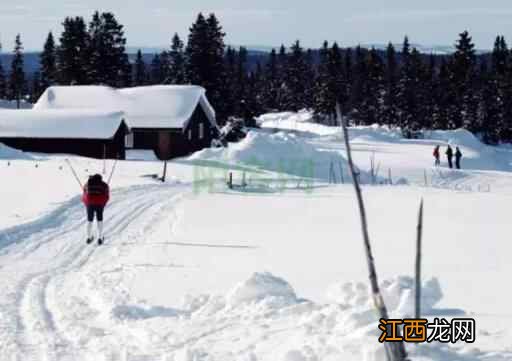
[[159, 106], [69, 124], [11, 153]]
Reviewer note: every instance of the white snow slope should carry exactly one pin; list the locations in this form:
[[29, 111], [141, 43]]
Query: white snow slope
[[194, 271]]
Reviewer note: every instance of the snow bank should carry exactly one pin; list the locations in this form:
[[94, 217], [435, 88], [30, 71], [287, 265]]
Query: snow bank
[[458, 137], [11, 153], [258, 287], [398, 294], [281, 152]]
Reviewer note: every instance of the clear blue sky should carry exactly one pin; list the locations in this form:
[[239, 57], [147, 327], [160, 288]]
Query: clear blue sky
[[270, 22]]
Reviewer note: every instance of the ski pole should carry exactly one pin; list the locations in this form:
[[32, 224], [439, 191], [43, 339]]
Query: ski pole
[[74, 173], [112, 172]]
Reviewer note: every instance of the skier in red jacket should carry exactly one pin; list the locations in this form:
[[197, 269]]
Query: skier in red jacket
[[95, 197]]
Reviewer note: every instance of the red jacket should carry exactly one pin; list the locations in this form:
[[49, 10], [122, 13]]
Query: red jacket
[[96, 194]]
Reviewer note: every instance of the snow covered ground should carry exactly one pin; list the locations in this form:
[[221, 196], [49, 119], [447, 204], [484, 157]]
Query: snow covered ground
[[192, 270]]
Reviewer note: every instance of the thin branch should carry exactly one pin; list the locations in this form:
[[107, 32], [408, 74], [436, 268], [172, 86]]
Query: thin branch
[[395, 349], [419, 232]]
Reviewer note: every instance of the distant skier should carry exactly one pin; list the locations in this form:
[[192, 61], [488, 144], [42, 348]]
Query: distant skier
[[449, 156], [436, 156], [458, 156], [95, 197]]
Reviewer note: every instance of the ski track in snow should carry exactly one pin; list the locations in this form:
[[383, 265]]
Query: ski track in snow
[[36, 335]]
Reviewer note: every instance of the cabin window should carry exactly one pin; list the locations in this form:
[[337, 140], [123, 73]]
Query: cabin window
[[128, 140], [201, 130], [190, 134]]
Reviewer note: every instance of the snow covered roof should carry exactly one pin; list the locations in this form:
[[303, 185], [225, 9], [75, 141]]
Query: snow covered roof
[[57, 124], [158, 106]]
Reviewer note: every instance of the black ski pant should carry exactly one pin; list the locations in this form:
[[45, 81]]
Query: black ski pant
[[93, 211], [450, 162]]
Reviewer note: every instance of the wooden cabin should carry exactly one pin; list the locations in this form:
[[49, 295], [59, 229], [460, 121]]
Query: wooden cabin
[[171, 120], [87, 133]]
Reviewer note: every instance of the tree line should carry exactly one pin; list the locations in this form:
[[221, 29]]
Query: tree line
[[402, 88]]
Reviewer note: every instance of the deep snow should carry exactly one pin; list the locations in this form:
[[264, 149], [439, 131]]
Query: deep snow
[[245, 274]]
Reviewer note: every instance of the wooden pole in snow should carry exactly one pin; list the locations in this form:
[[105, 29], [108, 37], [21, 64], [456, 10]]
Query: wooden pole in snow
[[165, 171], [419, 232], [395, 351]]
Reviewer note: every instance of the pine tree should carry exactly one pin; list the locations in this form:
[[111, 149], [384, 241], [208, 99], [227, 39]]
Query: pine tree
[[176, 62], [17, 76], [48, 61], [73, 52], [140, 76], [108, 60]]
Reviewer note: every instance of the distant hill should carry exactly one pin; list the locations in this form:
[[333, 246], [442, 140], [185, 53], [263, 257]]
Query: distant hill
[[255, 54]]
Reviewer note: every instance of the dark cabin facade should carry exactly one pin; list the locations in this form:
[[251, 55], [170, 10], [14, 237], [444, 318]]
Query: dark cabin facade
[[59, 132], [93, 148], [168, 143]]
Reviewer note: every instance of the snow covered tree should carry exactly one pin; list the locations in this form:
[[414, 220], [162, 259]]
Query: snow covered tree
[[107, 61], [48, 62], [73, 52], [140, 72], [176, 73], [17, 82]]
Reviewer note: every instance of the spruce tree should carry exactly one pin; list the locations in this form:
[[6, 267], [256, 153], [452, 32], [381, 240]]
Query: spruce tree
[[17, 76], [272, 88], [140, 77], [156, 70], [3, 82], [462, 68], [390, 109], [323, 95], [36, 89], [205, 59], [370, 111], [297, 78], [73, 52], [48, 62], [108, 60]]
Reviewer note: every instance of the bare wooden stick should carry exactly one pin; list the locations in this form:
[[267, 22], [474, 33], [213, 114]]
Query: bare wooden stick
[[395, 351], [419, 232]]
